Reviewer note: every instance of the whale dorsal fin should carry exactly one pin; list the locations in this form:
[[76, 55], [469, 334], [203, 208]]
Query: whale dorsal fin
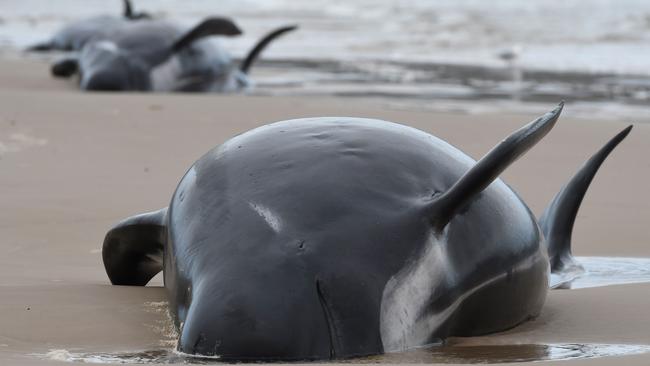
[[443, 207], [131, 15], [214, 26], [133, 249], [128, 9], [560, 215], [255, 52]]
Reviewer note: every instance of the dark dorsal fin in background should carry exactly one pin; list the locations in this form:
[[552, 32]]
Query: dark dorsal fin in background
[[558, 218], [254, 53], [443, 207], [128, 9], [209, 27], [133, 249], [130, 14]]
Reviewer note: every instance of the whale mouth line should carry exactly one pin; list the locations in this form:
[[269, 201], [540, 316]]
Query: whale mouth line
[[328, 318]]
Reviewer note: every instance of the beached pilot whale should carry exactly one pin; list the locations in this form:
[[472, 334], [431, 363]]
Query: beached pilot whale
[[326, 238], [156, 55], [73, 36]]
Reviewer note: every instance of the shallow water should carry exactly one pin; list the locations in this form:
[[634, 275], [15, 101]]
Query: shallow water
[[433, 354], [599, 271], [420, 53], [607, 271], [507, 353], [544, 35]]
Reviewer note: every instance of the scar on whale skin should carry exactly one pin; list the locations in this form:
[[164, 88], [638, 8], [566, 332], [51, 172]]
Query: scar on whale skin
[[268, 216]]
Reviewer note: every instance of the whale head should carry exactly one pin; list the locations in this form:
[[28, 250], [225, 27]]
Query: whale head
[[106, 67]]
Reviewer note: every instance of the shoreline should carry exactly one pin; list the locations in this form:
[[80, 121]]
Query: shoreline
[[426, 87]]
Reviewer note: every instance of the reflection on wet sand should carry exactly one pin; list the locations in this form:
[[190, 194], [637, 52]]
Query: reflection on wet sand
[[505, 353], [599, 271], [456, 354]]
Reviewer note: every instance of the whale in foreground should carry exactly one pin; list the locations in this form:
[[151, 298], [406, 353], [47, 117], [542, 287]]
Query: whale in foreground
[[329, 238], [157, 55]]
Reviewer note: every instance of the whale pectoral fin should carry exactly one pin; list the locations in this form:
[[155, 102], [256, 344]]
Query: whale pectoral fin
[[213, 26], [133, 249], [65, 67], [443, 208], [558, 218]]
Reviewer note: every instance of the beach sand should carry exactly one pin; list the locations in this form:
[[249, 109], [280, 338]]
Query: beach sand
[[72, 164]]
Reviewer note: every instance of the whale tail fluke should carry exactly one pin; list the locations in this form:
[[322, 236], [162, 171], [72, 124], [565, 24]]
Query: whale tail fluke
[[445, 206], [254, 53], [558, 218], [133, 249]]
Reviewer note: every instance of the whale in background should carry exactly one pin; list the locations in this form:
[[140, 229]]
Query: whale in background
[[157, 55], [73, 36]]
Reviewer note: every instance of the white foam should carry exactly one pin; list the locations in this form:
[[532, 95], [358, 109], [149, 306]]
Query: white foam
[[17, 142], [608, 271], [59, 355]]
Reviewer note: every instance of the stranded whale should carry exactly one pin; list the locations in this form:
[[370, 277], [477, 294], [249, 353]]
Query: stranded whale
[[156, 55], [327, 238], [73, 36]]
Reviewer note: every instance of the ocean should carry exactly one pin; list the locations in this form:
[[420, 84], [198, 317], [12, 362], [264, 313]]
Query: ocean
[[468, 55]]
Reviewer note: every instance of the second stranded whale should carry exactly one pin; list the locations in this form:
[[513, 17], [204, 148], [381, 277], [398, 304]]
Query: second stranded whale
[[329, 238], [73, 36], [157, 55]]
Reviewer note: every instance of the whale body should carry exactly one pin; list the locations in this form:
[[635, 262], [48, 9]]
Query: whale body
[[74, 35], [161, 56], [329, 238]]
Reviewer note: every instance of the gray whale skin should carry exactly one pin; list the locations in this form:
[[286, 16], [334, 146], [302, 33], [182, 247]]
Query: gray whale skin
[[330, 238]]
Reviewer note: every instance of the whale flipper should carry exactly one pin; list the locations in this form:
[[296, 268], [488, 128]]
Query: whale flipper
[[443, 207], [214, 26], [65, 67], [133, 249], [558, 218], [254, 53]]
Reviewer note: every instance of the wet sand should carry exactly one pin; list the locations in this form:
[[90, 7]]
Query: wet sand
[[72, 164]]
